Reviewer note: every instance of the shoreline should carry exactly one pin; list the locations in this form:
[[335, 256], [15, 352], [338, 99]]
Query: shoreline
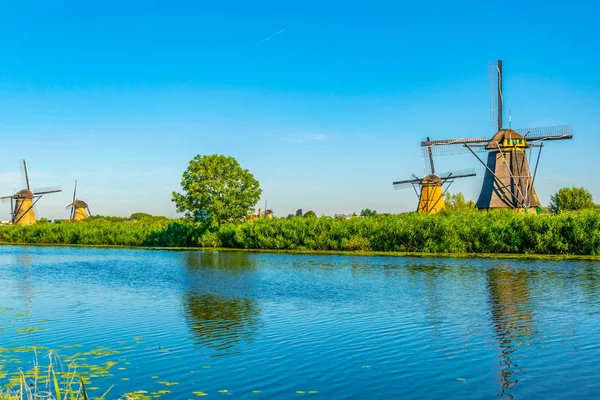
[[357, 253]]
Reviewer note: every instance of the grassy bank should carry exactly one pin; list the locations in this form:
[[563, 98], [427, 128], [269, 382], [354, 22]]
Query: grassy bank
[[508, 232]]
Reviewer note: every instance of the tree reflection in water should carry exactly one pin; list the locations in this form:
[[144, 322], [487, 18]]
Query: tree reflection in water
[[218, 307], [512, 318]]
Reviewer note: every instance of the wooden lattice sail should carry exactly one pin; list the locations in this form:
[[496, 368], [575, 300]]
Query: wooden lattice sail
[[22, 202], [508, 182]]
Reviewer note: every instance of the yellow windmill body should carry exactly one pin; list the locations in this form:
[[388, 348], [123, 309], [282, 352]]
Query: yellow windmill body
[[431, 200]]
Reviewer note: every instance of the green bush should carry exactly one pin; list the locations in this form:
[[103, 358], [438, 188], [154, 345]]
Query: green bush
[[503, 231]]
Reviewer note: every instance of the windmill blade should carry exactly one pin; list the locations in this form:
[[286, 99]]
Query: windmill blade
[[47, 190], [5, 199], [496, 93], [407, 183], [558, 132], [452, 146], [463, 173], [75, 191], [24, 175]]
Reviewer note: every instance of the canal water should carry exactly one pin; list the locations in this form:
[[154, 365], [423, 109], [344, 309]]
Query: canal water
[[254, 325]]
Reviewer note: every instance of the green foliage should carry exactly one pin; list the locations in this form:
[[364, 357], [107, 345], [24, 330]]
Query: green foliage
[[368, 213], [310, 214], [501, 231], [219, 186], [571, 199], [457, 202]]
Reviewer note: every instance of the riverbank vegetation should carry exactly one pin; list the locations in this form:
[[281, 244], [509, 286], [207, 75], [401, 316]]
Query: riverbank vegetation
[[503, 231]]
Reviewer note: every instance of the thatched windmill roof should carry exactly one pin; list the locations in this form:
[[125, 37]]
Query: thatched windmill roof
[[79, 204], [24, 194], [498, 138], [432, 179]]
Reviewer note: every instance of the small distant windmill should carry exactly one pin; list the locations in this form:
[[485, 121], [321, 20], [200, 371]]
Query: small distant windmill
[[507, 181], [429, 189], [22, 202], [79, 208]]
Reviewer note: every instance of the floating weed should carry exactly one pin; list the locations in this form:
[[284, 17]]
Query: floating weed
[[313, 392], [160, 392], [257, 391], [223, 391], [138, 395], [206, 366], [28, 330], [124, 379], [168, 383], [300, 392], [154, 377], [366, 366], [138, 338], [461, 379], [199, 394], [121, 369], [164, 351]]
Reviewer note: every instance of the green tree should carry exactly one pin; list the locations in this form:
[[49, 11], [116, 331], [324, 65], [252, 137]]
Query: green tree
[[570, 199], [310, 214], [368, 213], [457, 202], [218, 186]]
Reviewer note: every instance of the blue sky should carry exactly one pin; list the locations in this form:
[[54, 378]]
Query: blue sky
[[326, 113]]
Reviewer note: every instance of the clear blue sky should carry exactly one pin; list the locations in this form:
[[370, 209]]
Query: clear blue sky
[[326, 113]]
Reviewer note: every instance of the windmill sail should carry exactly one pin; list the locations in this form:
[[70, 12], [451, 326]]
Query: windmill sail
[[547, 133], [452, 146]]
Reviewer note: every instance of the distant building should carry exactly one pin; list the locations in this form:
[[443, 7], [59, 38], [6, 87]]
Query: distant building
[[299, 212], [343, 216]]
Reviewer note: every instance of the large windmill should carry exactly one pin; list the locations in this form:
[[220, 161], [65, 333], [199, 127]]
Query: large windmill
[[429, 190], [507, 181], [79, 208], [22, 202]]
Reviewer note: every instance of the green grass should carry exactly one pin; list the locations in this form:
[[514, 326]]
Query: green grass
[[474, 232]]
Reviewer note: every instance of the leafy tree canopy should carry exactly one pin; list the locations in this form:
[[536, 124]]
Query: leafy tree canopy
[[310, 214], [457, 202], [219, 187], [368, 213], [571, 199]]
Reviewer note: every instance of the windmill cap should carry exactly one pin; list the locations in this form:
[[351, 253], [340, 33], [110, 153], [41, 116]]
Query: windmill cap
[[431, 179], [498, 138], [79, 204], [25, 194]]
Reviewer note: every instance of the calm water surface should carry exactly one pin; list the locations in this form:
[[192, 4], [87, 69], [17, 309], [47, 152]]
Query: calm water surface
[[342, 326]]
